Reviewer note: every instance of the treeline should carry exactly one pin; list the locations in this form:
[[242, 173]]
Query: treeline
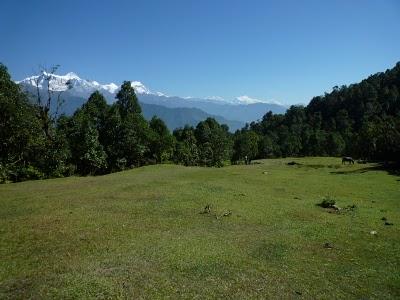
[[97, 139], [362, 120]]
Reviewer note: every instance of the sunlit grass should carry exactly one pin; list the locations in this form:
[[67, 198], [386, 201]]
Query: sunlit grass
[[140, 234]]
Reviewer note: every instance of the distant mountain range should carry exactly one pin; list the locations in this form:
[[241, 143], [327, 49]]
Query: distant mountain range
[[175, 111]]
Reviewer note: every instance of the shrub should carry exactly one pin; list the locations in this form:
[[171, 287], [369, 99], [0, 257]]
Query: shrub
[[327, 202]]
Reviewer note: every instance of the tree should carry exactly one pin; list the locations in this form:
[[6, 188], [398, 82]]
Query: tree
[[161, 141], [95, 111], [132, 138], [45, 99], [335, 144], [19, 129], [127, 101], [93, 158], [213, 141], [186, 150], [268, 147], [245, 146]]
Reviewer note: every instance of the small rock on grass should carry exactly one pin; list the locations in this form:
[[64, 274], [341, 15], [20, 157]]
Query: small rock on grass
[[373, 232], [227, 214]]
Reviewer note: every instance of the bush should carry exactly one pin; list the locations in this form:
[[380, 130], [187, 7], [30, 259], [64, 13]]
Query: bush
[[33, 173], [327, 202], [4, 173], [16, 173]]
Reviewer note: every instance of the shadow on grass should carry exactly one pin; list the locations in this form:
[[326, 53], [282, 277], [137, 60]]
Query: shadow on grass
[[390, 168], [313, 166]]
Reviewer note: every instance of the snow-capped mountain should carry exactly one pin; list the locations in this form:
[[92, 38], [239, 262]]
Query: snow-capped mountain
[[243, 108], [78, 86], [71, 82]]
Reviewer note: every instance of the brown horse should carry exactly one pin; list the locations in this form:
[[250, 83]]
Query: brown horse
[[348, 159]]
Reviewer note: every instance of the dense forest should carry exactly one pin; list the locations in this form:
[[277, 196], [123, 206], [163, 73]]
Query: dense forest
[[361, 120]]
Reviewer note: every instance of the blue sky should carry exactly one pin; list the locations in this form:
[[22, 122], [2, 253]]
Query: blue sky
[[288, 51]]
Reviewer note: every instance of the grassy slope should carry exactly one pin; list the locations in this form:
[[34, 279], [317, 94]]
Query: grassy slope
[[139, 234]]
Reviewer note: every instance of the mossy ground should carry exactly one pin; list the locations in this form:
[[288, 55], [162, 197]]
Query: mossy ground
[[139, 233]]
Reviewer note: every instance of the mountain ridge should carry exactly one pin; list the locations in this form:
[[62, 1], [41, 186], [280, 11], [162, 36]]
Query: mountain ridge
[[76, 90], [173, 117]]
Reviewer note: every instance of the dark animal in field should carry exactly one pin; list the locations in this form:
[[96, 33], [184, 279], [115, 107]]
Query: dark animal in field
[[348, 159]]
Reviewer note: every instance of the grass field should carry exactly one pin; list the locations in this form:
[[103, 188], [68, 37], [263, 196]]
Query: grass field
[[140, 234]]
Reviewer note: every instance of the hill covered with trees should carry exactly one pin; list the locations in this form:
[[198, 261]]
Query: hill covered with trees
[[362, 120]]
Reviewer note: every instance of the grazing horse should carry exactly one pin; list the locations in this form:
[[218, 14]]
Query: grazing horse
[[348, 159]]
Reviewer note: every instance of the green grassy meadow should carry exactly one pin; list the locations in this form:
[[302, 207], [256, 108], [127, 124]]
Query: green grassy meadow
[[139, 234]]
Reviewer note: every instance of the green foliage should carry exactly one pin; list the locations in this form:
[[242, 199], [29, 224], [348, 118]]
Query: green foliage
[[186, 151], [245, 146], [161, 141], [130, 131], [360, 120], [52, 156], [335, 144], [93, 158], [83, 134], [127, 101], [19, 129], [327, 202], [268, 146], [214, 143]]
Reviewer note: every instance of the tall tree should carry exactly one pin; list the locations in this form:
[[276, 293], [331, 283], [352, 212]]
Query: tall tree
[[133, 137], [19, 129], [127, 101], [161, 140], [93, 158], [186, 150], [213, 141], [245, 146]]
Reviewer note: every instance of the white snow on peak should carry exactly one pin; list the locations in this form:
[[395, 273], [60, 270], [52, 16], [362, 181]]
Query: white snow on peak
[[241, 100], [82, 87], [78, 86], [70, 75], [70, 81], [160, 94], [216, 98], [248, 100], [111, 87], [140, 88]]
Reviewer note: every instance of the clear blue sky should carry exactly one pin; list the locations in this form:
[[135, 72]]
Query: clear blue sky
[[283, 50]]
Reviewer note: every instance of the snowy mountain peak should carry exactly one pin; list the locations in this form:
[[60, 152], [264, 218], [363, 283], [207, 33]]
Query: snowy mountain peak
[[78, 86], [71, 75], [248, 100], [111, 87], [83, 88], [241, 100], [140, 88]]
